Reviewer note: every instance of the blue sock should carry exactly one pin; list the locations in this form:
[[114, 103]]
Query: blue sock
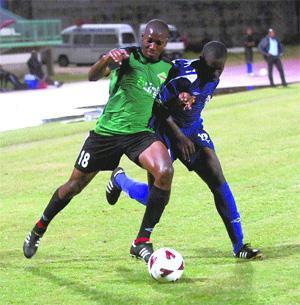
[[249, 67], [134, 189], [231, 217]]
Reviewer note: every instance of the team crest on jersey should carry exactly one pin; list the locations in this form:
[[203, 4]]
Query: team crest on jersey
[[162, 77]]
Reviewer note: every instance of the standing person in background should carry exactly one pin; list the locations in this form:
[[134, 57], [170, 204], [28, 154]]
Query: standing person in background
[[271, 48], [249, 44], [185, 40]]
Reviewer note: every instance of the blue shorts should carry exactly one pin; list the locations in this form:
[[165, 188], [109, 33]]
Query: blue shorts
[[200, 139]]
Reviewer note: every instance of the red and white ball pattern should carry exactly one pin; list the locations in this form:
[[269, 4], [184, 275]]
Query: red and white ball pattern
[[166, 265]]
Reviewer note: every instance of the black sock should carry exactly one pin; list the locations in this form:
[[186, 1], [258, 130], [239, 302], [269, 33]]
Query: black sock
[[156, 203], [54, 206], [41, 226]]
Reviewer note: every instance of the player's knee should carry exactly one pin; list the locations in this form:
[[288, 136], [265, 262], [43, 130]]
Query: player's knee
[[218, 177], [215, 182], [73, 188], [215, 179], [164, 175], [215, 169]]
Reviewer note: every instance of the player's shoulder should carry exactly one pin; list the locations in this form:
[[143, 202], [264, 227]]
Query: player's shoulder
[[135, 51], [184, 66], [184, 63], [164, 58], [182, 69], [214, 84], [135, 55]]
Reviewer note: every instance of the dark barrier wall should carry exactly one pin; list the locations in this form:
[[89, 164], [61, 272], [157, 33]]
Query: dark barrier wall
[[197, 20]]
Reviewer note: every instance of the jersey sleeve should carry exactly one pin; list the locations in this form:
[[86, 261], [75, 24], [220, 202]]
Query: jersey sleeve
[[210, 92], [213, 88]]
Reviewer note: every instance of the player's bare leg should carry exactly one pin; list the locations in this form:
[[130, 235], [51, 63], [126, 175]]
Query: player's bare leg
[[61, 197], [208, 167], [156, 160]]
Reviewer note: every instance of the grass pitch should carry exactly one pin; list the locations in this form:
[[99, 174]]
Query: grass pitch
[[84, 257]]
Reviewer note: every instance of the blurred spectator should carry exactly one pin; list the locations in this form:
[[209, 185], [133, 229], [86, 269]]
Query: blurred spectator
[[79, 22], [174, 36], [185, 40], [271, 48], [35, 67], [249, 44], [7, 77]]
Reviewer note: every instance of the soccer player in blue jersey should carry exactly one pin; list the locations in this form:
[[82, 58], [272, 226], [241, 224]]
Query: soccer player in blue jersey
[[177, 121]]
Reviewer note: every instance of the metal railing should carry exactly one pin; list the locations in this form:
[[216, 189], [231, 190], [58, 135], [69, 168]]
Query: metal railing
[[29, 33]]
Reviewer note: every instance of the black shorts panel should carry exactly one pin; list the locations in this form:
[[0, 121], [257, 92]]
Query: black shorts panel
[[99, 153], [135, 144], [104, 152]]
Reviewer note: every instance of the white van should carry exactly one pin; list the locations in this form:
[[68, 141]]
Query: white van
[[84, 44], [175, 46]]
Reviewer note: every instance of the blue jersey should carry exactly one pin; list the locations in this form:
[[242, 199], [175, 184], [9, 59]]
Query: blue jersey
[[185, 79]]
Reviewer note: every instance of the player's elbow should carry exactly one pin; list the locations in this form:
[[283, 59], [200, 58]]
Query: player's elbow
[[93, 77]]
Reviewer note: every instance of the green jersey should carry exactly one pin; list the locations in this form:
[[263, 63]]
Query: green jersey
[[132, 90]]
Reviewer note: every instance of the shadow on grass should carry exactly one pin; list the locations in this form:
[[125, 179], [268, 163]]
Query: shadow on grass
[[86, 291], [235, 285], [272, 252], [208, 253], [129, 275], [280, 251]]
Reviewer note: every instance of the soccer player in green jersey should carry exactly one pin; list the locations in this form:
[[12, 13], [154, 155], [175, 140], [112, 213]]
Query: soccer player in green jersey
[[122, 129]]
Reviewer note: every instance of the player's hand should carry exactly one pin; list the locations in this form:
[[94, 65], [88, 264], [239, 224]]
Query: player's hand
[[186, 100], [117, 55], [187, 147]]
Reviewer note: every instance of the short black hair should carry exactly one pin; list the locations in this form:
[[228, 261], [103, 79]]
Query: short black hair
[[158, 26], [215, 49]]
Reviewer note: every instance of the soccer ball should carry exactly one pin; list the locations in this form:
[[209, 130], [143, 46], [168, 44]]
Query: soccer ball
[[166, 265], [263, 72]]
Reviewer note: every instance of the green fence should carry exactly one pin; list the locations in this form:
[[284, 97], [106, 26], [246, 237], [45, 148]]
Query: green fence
[[30, 33]]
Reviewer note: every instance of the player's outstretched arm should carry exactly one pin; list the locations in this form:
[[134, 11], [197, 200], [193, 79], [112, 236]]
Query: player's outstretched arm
[[101, 67], [161, 111]]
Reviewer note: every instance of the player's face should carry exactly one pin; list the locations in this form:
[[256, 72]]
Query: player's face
[[214, 68], [153, 44]]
